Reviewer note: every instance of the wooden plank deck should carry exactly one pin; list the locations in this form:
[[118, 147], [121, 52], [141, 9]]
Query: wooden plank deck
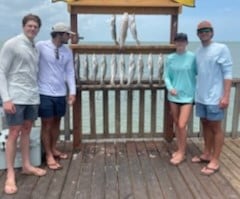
[[130, 169]]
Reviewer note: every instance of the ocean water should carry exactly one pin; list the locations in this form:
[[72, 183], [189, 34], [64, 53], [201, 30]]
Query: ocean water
[[234, 48]]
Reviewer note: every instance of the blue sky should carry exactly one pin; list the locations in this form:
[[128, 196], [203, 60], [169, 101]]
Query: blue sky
[[224, 15]]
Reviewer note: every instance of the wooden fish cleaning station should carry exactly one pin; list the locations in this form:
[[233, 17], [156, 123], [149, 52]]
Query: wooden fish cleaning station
[[151, 7]]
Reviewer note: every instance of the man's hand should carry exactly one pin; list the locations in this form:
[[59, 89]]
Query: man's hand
[[71, 99], [9, 107]]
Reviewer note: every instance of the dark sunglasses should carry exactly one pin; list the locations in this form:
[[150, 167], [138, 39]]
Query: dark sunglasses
[[204, 30], [57, 53]]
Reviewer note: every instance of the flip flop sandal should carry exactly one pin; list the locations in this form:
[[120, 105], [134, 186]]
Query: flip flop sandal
[[62, 156], [198, 159], [209, 171]]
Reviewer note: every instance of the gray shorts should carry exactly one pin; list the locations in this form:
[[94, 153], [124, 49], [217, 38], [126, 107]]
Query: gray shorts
[[23, 113], [209, 112]]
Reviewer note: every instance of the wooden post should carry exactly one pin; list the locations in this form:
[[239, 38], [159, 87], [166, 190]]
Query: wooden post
[[168, 120], [77, 120]]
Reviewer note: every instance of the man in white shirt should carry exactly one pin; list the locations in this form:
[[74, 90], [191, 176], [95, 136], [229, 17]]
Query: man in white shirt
[[56, 68], [19, 92]]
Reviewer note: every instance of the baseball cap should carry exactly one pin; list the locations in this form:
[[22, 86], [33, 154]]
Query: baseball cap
[[61, 27], [181, 37]]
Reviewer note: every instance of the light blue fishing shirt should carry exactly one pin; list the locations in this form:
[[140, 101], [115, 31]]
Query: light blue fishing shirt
[[55, 73], [214, 65], [180, 74]]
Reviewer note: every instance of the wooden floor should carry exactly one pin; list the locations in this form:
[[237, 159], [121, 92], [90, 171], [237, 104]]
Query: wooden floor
[[137, 170]]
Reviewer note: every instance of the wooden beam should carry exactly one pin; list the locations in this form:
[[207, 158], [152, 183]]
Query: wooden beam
[[109, 49]]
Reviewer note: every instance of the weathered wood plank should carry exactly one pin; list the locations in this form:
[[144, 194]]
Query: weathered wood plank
[[71, 182], [151, 180], [109, 49], [153, 110], [178, 182], [141, 112], [124, 180], [138, 182], [98, 173], [216, 186], [105, 113], [58, 179], [129, 112], [92, 113], [117, 113], [160, 169], [83, 189], [111, 185]]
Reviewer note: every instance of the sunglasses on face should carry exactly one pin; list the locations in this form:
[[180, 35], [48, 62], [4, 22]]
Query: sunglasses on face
[[204, 30]]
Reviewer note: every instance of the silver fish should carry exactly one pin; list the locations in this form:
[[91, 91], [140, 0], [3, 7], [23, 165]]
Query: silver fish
[[86, 68], [131, 69], [103, 69], [121, 65], [94, 67], [133, 28], [150, 68], [77, 65], [113, 69], [160, 68], [123, 29], [113, 29], [140, 65]]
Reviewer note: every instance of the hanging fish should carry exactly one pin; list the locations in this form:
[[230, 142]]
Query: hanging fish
[[160, 68], [150, 68], [77, 65], [86, 68], [131, 69], [113, 69], [121, 65], [123, 29], [133, 28], [140, 65], [103, 65], [94, 67], [113, 29]]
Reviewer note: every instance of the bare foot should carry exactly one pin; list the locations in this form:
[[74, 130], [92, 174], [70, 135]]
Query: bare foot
[[34, 171], [10, 186], [177, 159]]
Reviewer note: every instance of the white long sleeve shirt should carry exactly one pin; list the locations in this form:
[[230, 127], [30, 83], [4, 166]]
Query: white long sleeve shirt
[[18, 71], [55, 73]]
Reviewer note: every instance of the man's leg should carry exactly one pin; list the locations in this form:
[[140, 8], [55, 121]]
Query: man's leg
[[27, 168], [55, 135], [208, 139], [218, 140], [10, 183], [46, 136]]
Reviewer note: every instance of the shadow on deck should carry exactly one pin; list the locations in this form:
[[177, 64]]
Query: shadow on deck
[[133, 170]]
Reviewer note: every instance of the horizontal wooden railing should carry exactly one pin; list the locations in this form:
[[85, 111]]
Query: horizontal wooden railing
[[139, 123]]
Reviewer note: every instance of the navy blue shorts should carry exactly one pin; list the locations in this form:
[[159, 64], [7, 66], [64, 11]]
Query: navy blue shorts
[[23, 113], [52, 106]]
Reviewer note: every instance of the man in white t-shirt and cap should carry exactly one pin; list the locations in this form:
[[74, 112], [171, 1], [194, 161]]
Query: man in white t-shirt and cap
[[56, 70]]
